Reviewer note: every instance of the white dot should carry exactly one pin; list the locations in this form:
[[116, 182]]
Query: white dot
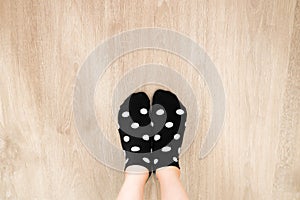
[[126, 161], [125, 114], [135, 148], [155, 161], [185, 124], [146, 160], [160, 112], [176, 136], [126, 138], [166, 149], [146, 137], [175, 159], [143, 111], [179, 111], [179, 150], [135, 125], [169, 124], [156, 137], [151, 123]]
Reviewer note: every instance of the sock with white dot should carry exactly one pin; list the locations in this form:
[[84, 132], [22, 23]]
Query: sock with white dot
[[135, 130], [169, 116]]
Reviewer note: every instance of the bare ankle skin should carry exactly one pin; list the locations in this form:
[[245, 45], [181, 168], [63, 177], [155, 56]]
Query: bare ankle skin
[[133, 186], [170, 184]]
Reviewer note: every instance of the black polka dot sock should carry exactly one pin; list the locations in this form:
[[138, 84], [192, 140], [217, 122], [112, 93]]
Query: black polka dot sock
[[169, 116], [135, 131]]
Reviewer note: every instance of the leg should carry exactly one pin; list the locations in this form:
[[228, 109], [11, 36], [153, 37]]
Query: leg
[[170, 185], [133, 186], [169, 116], [134, 130], [134, 127]]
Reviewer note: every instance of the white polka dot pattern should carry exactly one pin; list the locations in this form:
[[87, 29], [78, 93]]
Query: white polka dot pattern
[[146, 137], [160, 112], [176, 136], [169, 124], [146, 160], [156, 137], [126, 138], [179, 112], [166, 149], [125, 114], [135, 125], [135, 149], [143, 111]]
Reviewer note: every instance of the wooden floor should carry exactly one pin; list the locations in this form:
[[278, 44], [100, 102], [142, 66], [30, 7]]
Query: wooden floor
[[254, 44]]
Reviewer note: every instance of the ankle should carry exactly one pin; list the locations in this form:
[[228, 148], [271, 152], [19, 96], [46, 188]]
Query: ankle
[[139, 179], [167, 174]]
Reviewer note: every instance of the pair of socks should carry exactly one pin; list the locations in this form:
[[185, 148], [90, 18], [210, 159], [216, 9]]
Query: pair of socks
[[151, 135]]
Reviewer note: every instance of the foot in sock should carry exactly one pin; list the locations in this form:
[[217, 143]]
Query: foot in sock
[[152, 137], [135, 131], [169, 116]]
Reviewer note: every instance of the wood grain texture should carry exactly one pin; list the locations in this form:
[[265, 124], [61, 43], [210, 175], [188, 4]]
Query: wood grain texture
[[253, 43], [287, 175]]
